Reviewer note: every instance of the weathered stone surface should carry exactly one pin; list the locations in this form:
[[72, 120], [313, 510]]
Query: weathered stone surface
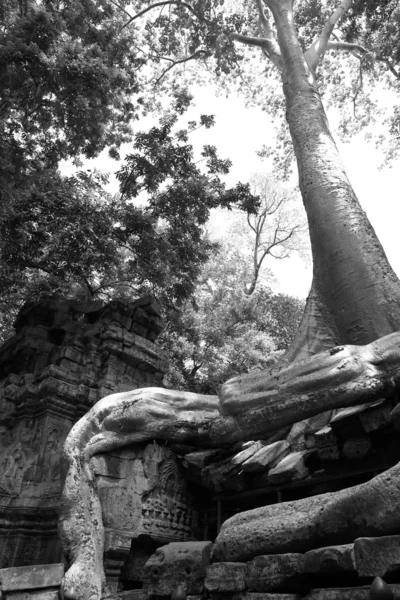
[[322, 438], [346, 423], [349, 593], [224, 475], [34, 595], [376, 416], [374, 557], [226, 577], [292, 468], [27, 578], [265, 596], [174, 564], [267, 457], [331, 559], [357, 448], [201, 458], [329, 453], [248, 452], [268, 573]]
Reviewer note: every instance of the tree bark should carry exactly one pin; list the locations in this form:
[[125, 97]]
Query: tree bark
[[356, 289]]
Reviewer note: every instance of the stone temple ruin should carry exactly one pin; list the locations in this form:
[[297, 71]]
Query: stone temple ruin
[[163, 503]]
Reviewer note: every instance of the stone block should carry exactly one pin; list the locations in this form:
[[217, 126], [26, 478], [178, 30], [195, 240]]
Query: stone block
[[267, 457], [27, 578], [270, 572], [121, 509], [34, 595], [346, 593], [322, 438], [357, 448], [331, 559], [329, 453], [265, 596], [226, 577], [178, 563], [376, 556], [201, 458], [247, 452], [292, 468], [346, 423], [376, 416]]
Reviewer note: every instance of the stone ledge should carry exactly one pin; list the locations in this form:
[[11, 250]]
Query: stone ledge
[[32, 577]]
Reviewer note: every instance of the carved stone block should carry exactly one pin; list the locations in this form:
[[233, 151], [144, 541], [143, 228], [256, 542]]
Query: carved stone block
[[331, 559], [177, 564], [27, 578], [377, 556], [292, 468], [267, 457], [268, 573], [226, 577], [346, 593], [265, 596]]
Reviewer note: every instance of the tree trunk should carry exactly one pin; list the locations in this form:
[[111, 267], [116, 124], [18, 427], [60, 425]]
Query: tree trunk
[[355, 296]]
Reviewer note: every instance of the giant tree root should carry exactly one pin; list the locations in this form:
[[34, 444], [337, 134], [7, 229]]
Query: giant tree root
[[251, 406], [369, 509]]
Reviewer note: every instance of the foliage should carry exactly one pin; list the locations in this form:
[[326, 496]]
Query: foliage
[[69, 235], [220, 332]]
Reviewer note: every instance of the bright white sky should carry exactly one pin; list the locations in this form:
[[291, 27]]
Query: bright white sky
[[239, 132]]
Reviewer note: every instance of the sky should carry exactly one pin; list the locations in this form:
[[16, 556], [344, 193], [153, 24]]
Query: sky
[[239, 132]]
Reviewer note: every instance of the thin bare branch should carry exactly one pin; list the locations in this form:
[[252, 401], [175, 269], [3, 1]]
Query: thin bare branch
[[155, 5], [196, 54]]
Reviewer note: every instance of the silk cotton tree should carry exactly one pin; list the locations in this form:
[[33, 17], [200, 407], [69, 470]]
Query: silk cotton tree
[[354, 300]]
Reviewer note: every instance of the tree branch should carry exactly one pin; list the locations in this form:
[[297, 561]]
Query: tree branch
[[180, 61], [347, 47], [268, 46], [155, 5], [316, 51]]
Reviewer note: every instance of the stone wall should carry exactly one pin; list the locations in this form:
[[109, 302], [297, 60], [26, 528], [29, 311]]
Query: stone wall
[[63, 358]]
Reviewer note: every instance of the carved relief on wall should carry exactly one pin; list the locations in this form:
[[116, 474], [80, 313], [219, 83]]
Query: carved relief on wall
[[29, 458], [166, 512]]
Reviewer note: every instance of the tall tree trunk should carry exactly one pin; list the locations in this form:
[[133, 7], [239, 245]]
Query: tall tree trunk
[[355, 296]]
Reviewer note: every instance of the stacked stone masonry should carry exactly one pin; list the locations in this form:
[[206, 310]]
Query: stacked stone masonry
[[63, 358]]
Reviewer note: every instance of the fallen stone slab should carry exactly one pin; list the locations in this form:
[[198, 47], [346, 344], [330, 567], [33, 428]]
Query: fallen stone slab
[[293, 467], [347, 593], [178, 563], [267, 573], [331, 559], [31, 577], [377, 556], [247, 452], [267, 457], [226, 577], [322, 438]]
